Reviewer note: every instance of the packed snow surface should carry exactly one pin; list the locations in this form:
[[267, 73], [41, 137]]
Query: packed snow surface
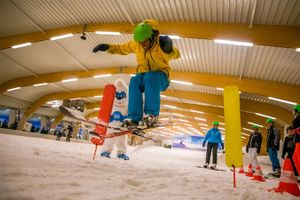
[[37, 168]]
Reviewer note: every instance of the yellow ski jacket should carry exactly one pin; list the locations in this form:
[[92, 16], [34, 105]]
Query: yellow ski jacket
[[153, 59]]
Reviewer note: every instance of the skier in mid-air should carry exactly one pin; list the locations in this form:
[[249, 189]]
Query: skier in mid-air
[[153, 53]]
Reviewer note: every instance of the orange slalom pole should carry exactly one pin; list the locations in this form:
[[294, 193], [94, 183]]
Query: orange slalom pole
[[234, 177], [95, 152]]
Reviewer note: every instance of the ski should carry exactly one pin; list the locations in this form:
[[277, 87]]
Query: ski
[[138, 133], [217, 169], [269, 176], [75, 114]]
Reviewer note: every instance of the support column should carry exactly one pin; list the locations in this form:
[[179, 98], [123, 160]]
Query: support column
[[23, 120], [57, 120], [12, 117], [43, 122]]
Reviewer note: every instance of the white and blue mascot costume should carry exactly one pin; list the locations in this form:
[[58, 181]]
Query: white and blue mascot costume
[[118, 114]]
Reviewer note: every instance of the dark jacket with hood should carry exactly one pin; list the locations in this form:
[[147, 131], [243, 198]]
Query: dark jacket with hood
[[255, 140], [273, 138]]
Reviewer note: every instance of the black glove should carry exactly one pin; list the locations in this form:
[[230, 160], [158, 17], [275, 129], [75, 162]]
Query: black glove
[[166, 44], [101, 47], [203, 144], [258, 150], [222, 146], [247, 150]]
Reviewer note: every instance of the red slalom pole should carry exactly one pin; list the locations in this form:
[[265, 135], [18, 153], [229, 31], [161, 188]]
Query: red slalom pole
[[234, 178], [95, 152]]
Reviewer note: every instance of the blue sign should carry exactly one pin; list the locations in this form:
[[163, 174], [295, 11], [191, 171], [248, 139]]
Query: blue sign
[[189, 142]]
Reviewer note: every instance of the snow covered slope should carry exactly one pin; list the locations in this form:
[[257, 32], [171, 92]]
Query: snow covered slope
[[35, 168]]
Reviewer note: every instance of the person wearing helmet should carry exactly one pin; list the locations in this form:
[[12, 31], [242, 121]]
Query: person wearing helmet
[[153, 53], [296, 131], [253, 146], [296, 121], [288, 149], [273, 139], [213, 138]]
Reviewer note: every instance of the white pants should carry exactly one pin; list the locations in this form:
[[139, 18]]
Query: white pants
[[121, 141], [253, 157]]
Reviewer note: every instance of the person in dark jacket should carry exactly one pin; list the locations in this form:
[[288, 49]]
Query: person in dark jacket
[[70, 132], [296, 131], [289, 147], [273, 139], [59, 131], [253, 146], [214, 137]]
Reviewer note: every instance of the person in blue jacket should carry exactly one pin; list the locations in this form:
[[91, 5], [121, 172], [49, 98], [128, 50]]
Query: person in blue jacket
[[213, 138]]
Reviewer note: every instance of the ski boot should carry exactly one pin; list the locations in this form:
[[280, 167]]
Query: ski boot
[[150, 120], [213, 166], [123, 156], [276, 173], [105, 154], [129, 124], [205, 165]]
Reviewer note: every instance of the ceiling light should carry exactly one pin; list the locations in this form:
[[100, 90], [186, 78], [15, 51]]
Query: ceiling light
[[218, 88], [246, 129], [266, 116], [183, 120], [168, 106], [201, 124], [245, 134], [196, 111], [102, 75], [176, 114], [247, 44], [164, 119], [254, 124], [21, 45], [39, 84], [107, 33], [297, 49], [61, 36], [283, 101], [181, 82], [132, 75], [55, 106], [175, 37], [69, 80], [163, 96], [201, 119], [96, 109], [12, 89], [53, 102], [99, 96]]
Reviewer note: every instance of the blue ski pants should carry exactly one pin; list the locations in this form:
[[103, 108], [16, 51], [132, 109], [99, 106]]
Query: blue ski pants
[[151, 83]]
